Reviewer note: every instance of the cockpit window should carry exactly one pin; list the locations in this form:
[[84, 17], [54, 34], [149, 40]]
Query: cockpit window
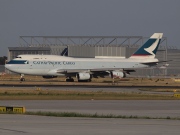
[[18, 57]]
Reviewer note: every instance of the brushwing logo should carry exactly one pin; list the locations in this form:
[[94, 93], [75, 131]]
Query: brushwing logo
[[152, 47]]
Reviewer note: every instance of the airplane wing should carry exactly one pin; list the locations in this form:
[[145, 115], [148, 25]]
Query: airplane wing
[[94, 72]]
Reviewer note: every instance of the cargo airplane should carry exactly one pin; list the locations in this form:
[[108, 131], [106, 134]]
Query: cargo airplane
[[51, 66]]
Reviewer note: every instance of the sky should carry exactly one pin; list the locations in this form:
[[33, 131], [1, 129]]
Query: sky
[[87, 18]]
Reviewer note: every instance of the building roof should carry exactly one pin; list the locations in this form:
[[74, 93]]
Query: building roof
[[29, 48]]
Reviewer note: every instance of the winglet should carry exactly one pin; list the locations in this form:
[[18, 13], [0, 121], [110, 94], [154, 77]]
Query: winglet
[[149, 49]]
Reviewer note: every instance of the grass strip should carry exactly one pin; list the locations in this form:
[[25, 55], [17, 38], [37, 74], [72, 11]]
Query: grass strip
[[74, 114], [96, 115], [160, 90], [126, 96], [79, 95]]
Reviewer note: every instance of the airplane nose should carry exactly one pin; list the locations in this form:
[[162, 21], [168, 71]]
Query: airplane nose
[[7, 66]]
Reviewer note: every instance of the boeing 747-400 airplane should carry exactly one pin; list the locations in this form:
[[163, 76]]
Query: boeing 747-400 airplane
[[51, 66]]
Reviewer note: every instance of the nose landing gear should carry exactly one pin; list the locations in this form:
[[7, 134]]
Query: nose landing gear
[[22, 77]]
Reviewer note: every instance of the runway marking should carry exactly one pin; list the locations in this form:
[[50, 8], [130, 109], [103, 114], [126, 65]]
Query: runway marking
[[13, 130]]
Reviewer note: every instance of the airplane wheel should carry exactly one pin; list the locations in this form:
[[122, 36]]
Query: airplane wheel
[[70, 80], [89, 80], [22, 79], [79, 80], [84, 80]]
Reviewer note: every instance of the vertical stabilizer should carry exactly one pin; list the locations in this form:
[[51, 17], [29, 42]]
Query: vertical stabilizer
[[149, 49]]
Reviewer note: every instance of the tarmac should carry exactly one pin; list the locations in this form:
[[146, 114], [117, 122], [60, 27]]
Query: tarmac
[[43, 125], [11, 124], [149, 108]]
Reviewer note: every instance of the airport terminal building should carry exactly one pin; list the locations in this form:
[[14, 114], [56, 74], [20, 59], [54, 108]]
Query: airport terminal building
[[98, 47]]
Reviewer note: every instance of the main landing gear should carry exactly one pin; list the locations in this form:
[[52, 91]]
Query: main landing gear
[[69, 79], [22, 78], [89, 80]]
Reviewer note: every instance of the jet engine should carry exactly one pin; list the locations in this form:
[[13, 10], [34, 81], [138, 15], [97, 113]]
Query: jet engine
[[83, 76], [118, 74], [49, 76]]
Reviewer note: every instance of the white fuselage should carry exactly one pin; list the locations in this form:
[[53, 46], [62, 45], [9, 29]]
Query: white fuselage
[[56, 65]]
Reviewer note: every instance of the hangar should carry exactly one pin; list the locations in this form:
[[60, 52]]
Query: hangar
[[98, 46]]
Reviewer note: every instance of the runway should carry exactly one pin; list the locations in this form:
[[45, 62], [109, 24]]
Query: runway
[[150, 108], [26, 124], [41, 125]]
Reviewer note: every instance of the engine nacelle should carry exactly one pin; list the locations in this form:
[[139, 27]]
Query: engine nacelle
[[118, 74], [83, 76], [49, 76]]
